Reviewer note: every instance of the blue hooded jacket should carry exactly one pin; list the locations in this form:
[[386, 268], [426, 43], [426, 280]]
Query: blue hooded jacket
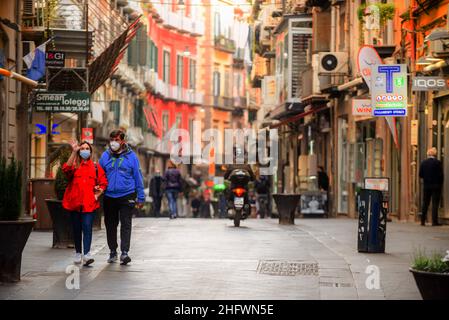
[[123, 173]]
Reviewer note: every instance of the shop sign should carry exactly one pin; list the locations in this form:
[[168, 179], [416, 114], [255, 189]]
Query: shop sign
[[69, 101], [430, 84], [366, 60], [389, 90], [54, 59], [362, 107], [381, 184]]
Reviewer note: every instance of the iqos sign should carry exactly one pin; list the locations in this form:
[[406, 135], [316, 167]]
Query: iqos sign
[[430, 84]]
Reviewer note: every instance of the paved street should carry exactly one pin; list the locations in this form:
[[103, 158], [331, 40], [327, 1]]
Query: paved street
[[210, 259]]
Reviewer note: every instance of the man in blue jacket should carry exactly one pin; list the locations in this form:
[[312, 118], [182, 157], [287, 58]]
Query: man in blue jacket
[[124, 192]]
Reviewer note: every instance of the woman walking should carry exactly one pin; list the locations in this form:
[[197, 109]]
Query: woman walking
[[87, 181], [172, 188]]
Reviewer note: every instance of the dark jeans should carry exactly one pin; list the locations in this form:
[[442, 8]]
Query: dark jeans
[[172, 195], [157, 206], [82, 229], [115, 210], [434, 193]]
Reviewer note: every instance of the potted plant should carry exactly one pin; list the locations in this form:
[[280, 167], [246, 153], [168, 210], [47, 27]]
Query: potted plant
[[431, 273], [62, 226], [14, 230]]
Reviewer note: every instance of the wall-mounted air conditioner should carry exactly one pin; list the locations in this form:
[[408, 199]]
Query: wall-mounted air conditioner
[[333, 63]]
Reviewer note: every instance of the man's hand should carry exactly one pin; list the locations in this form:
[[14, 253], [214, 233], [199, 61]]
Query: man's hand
[[139, 205]]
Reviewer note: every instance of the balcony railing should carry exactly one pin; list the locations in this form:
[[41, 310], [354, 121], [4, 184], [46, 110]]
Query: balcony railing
[[240, 102], [151, 80], [175, 20], [224, 44], [223, 102], [134, 76]]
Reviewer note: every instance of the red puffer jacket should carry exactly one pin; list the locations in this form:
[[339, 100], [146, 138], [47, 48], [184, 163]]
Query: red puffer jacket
[[79, 195]]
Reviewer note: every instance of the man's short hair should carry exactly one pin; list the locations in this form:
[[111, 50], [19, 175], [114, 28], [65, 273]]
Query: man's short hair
[[432, 152], [117, 133]]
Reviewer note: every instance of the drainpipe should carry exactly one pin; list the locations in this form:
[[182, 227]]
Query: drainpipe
[[333, 28]]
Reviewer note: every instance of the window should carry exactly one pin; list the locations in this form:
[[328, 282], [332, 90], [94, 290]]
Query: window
[[217, 27], [192, 74], [166, 74], [237, 84], [179, 70], [114, 107], [216, 80], [178, 123], [226, 84], [164, 123], [153, 56]]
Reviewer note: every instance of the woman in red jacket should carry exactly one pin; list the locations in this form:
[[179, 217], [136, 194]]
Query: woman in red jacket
[[87, 181]]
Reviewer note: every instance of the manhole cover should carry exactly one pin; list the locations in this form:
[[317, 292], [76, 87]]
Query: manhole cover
[[287, 268], [335, 284]]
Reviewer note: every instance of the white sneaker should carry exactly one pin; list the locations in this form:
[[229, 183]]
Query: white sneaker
[[88, 259], [77, 259]]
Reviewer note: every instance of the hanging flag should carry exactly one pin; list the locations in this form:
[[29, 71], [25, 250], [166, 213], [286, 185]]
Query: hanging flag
[[367, 58], [35, 62]]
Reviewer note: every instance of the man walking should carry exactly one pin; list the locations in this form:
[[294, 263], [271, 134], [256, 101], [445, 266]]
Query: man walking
[[125, 184], [156, 192], [431, 171]]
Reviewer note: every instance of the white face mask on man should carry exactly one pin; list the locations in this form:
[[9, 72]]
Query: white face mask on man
[[115, 146]]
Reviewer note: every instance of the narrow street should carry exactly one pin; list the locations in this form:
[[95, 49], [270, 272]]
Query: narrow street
[[210, 259]]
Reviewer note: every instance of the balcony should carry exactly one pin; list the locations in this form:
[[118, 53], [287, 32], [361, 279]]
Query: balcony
[[240, 102], [177, 21], [67, 22], [224, 44], [133, 77], [223, 102]]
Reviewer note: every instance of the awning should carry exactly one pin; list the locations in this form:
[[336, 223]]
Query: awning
[[298, 116], [106, 64]]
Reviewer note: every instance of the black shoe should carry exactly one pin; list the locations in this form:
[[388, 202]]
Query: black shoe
[[423, 223], [124, 258]]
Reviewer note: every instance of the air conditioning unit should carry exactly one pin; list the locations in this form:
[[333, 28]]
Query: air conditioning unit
[[437, 48], [333, 63]]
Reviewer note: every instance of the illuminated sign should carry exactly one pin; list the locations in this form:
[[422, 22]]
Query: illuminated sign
[[430, 84], [389, 90]]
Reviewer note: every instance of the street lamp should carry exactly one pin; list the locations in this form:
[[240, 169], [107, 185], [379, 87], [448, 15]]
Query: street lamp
[[181, 5]]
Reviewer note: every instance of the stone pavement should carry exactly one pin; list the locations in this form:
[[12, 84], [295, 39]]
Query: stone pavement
[[210, 259]]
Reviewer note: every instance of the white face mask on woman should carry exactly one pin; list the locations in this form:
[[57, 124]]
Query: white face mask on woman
[[114, 145]]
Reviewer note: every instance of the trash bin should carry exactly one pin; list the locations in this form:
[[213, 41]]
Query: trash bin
[[372, 221]]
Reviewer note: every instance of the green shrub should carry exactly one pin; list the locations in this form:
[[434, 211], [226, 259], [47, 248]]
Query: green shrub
[[10, 189], [429, 263]]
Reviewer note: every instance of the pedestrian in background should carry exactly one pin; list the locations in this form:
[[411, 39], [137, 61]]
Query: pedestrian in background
[[87, 181], [431, 171], [173, 186], [196, 204], [156, 192], [124, 193]]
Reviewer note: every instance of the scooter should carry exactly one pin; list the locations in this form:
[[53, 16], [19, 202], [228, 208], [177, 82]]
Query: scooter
[[238, 201]]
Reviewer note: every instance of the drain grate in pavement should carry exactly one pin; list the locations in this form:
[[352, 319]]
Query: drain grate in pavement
[[287, 268], [335, 285]]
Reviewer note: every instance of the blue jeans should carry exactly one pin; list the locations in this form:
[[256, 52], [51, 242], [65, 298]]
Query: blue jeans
[[172, 195], [82, 228]]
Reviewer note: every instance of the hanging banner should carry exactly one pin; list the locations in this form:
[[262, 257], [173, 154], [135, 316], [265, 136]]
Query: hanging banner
[[389, 90], [87, 134]]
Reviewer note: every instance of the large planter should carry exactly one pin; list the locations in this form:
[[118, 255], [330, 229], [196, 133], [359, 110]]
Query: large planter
[[13, 237], [431, 285], [62, 224], [286, 205]]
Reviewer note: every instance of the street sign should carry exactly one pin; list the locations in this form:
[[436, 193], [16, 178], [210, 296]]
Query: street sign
[[69, 101], [430, 84], [389, 90], [362, 107], [54, 59]]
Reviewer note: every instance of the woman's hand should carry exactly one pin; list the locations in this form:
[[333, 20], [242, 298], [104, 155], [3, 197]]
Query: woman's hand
[[97, 192], [75, 145]]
